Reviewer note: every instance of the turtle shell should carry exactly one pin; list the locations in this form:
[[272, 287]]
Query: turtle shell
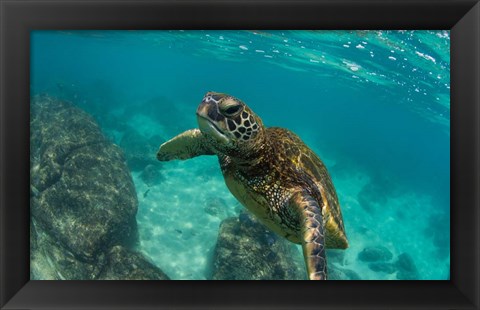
[[305, 169]]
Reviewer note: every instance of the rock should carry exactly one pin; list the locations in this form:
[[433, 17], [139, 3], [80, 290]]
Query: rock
[[337, 273], [52, 261], [57, 130], [151, 175], [139, 151], [84, 201], [246, 219], [375, 194], [246, 250], [216, 207], [335, 256], [374, 254], [382, 267], [370, 197], [406, 268], [163, 111], [125, 264], [80, 179], [352, 275], [438, 229]]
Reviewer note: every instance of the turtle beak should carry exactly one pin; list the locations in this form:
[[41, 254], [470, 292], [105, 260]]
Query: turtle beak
[[210, 103], [202, 109], [208, 108], [209, 119]]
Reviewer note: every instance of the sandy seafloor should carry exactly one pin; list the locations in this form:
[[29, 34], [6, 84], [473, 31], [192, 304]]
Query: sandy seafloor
[[180, 236], [377, 113]]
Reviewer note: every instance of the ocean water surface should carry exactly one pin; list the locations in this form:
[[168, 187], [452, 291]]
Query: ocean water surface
[[374, 105]]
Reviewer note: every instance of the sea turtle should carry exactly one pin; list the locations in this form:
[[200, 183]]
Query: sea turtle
[[271, 172]]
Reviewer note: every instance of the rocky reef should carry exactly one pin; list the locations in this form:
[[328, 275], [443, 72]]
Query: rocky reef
[[337, 269], [151, 175], [246, 250], [375, 254], [338, 273], [406, 268], [216, 207], [380, 260], [125, 264], [174, 122], [438, 225], [375, 194], [140, 151], [83, 202]]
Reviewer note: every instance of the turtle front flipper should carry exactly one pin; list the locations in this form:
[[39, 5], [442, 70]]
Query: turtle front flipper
[[312, 236], [188, 144]]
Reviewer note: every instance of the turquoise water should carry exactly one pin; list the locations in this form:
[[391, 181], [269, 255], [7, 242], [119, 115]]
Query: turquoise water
[[374, 105]]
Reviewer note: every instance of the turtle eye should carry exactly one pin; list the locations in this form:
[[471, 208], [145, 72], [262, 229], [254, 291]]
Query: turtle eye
[[232, 110]]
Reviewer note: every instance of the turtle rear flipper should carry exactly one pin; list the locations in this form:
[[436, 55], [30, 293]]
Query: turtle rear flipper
[[312, 236], [188, 144]]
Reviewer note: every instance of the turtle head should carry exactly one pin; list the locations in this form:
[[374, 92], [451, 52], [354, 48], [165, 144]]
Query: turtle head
[[229, 122]]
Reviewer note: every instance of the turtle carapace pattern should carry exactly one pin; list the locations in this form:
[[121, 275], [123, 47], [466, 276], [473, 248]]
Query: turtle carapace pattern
[[271, 171]]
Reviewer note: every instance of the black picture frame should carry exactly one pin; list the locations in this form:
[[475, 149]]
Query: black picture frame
[[19, 17]]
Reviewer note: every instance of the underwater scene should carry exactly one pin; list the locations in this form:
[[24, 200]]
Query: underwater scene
[[373, 105]]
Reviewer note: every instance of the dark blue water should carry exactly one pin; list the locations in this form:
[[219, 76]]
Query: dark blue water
[[373, 104]]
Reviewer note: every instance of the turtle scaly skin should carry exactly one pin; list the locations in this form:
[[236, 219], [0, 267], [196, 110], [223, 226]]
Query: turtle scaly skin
[[271, 172]]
